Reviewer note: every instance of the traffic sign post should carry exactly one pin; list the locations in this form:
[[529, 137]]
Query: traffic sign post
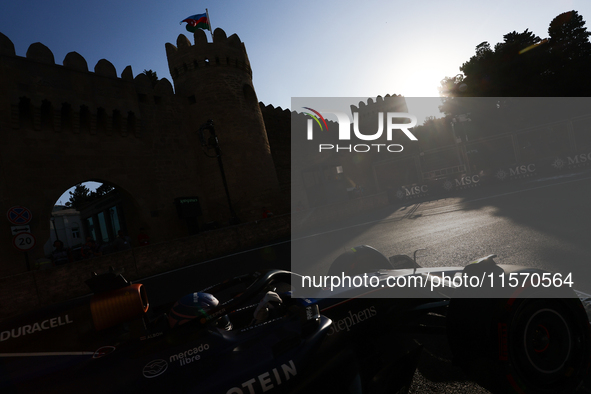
[[24, 241], [19, 215], [20, 229]]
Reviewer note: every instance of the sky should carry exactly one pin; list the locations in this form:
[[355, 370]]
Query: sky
[[296, 49]]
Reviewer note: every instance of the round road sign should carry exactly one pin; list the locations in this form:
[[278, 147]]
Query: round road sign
[[24, 241], [19, 215]]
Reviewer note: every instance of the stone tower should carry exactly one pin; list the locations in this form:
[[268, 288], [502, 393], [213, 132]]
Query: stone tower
[[215, 81]]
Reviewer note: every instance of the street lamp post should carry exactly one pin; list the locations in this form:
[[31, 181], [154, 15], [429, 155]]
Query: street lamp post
[[52, 219], [211, 141]]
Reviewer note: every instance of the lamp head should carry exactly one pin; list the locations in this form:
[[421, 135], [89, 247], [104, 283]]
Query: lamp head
[[206, 126]]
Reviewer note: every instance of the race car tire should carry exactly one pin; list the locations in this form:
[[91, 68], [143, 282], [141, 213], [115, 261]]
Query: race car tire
[[111, 308], [521, 345], [359, 260]]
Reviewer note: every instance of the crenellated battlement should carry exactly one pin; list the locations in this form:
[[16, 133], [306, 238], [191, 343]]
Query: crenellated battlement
[[69, 123], [185, 58], [42, 95], [275, 114], [394, 103]]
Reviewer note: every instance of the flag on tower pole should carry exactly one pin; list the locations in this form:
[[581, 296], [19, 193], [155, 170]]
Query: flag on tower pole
[[198, 21]]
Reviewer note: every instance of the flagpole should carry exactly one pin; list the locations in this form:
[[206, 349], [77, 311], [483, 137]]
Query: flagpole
[[209, 22]]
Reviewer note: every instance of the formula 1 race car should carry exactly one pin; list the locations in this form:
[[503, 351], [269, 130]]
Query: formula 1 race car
[[252, 334]]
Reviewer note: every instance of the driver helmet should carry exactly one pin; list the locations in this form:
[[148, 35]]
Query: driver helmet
[[195, 305]]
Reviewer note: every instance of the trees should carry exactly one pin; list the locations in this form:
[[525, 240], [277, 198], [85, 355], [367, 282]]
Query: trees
[[569, 38], [569, 56], [515, 67], [524, 65], [79, 196], [152, 76], [82, 194], [102, 190]]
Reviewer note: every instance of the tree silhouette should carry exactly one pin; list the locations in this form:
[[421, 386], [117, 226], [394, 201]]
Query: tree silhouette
[[514, 68], [524, 65], [569, 56], [104, 189], [569, 37], [79, 196], [82, 194], [152, 76], [100, 191]]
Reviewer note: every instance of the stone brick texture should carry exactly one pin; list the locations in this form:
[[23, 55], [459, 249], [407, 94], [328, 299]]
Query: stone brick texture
[[38, 288], [61, 125]]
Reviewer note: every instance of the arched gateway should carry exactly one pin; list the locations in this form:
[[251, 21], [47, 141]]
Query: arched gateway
[[61, 124]]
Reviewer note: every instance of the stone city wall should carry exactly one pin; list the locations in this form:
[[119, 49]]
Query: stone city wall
[[39, 288]]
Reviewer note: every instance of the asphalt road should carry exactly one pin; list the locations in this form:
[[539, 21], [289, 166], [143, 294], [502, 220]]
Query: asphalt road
[[541, 223]]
